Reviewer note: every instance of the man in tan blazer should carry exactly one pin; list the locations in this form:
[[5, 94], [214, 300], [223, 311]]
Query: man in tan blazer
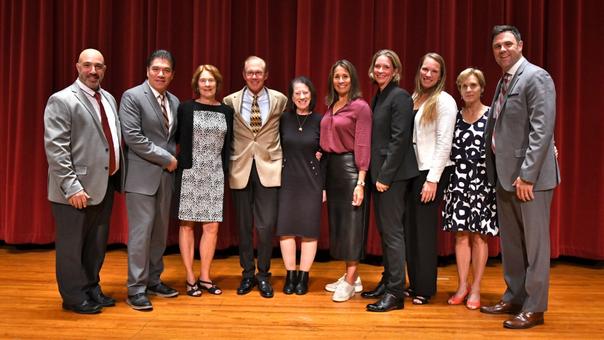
[[255, 171]]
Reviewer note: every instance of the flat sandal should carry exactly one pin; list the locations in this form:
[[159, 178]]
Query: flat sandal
[[193, 289], [213, 289]]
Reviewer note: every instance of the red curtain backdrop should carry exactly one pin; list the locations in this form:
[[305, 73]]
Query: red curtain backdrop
[[40, 42]]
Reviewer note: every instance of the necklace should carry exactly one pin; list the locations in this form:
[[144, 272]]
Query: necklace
[[301, 125]]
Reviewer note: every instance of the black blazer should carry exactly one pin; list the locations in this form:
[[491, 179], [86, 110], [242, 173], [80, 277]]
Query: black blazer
[[184, 135], [392, 154]]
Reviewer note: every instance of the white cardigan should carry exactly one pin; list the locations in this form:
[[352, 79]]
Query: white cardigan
[[432, 142]]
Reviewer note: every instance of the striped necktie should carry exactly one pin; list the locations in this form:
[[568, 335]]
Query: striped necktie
[[162, 100], [255, 118], [505, 82]]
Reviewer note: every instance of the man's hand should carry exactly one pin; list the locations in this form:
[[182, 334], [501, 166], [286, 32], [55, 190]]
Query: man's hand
[[172, 165], [79, 200], [524, 190]]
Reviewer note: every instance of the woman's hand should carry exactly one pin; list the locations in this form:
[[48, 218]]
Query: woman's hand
[[357, 195], [381, 187], [428, 192]]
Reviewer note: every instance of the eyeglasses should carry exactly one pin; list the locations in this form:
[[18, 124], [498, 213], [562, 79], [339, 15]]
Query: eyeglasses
[[250, 74], [97, 66], [207, 80]]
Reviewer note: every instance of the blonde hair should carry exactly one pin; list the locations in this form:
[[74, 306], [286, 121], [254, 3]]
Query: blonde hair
[[430, 114]]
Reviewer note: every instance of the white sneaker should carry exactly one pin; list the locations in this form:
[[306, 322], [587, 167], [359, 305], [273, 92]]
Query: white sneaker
[[358, 285], [343, 292]]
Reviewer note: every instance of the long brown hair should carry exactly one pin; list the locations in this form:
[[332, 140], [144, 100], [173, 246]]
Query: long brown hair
[[355, 88], [430, 113]]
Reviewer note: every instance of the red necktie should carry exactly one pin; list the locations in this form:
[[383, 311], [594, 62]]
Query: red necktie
[[500, 100], [107, 132]]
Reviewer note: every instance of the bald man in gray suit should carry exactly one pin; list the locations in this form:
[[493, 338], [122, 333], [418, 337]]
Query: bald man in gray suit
[[82, 142], [521, 161]]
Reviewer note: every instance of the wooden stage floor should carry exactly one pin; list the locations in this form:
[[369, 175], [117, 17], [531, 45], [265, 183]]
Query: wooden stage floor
[[30, 306]]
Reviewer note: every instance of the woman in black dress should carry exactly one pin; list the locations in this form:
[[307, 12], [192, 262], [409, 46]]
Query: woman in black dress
[[300, 195], [470, 204]]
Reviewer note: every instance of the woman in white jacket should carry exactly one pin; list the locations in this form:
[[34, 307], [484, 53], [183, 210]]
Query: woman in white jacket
[[432, 138]]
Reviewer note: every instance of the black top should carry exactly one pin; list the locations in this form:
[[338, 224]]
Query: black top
[[184, 132], [392, 154]]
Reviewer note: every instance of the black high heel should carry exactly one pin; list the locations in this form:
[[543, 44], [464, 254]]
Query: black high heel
[[290, 282], [302, 286]]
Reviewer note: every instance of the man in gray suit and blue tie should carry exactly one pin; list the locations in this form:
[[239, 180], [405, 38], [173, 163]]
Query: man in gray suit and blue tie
[[82, 141], [521, 161], [148, 115]]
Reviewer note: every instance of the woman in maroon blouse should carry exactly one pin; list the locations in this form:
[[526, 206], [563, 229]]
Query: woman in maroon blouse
[[345, 139]]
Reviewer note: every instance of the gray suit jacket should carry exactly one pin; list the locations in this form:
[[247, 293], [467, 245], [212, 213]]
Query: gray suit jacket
[[149, 148], [76, 147], [524, 132]]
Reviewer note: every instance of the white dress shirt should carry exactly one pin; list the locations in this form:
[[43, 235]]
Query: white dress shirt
[[157, 95], [263, 104], [111, 117], [433, 141]]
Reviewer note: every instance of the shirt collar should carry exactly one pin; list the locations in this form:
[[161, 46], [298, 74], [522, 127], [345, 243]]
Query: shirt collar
[[514, 68], [87, 89]]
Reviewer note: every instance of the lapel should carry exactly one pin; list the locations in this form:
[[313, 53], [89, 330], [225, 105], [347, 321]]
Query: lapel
[[115, 112], [511, 86], [155, 105], [238, 105], [81, 97]]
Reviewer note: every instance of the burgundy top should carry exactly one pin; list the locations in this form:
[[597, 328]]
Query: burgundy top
[[349, 130]]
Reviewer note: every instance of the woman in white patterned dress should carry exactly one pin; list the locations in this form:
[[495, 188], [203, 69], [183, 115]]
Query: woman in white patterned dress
[[204, 134], [470, 207]]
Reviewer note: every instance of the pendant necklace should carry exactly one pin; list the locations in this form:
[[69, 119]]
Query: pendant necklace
[[301, 125]]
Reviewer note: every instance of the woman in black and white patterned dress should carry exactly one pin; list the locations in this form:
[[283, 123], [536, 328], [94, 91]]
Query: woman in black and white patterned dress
[[470, 206], [204, 134]]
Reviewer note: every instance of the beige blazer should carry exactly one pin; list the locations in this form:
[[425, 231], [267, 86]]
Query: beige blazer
[[264, 147]]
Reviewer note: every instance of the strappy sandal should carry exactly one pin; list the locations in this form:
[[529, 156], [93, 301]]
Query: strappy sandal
[[408, 293], [193, 289], [213, 289], [420, 300]]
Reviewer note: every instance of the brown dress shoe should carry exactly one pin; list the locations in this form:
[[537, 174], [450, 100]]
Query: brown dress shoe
[[501, 307], [524, 320]]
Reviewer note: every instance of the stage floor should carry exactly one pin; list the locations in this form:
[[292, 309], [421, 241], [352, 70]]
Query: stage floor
[[30, 306]]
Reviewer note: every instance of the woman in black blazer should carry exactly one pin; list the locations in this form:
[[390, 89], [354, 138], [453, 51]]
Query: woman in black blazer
[[393, 164]]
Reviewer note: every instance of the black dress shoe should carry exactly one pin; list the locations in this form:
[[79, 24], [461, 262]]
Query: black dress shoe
[[246, 286], [291, 279], [302, 286], [387, 303], [265, 288], [162, 290], [84, 307], [376, 293], [97, 296], [139, 302], [501, 307], [524, 320]]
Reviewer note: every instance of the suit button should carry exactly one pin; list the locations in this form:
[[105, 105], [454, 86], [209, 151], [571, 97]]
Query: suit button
[[106, 149], [106, 168]]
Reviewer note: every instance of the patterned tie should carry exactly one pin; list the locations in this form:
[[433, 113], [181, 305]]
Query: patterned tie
[[500, 100], [107, 132], [255, 118], [162, 100]]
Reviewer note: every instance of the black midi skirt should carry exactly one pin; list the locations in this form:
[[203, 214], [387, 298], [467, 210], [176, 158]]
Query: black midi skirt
[[347, 223]]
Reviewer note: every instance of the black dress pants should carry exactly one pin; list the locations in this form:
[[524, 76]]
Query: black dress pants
[[80, 242], [421, 225], [256, 205], [389, 211]]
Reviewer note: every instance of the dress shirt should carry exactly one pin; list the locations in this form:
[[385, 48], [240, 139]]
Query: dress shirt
[[110, 118], [348, 130], [157, 96], [433, 141], [263, 104]]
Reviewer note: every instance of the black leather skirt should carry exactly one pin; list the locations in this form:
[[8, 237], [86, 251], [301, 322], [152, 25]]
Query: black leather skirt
[[347, 223]]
